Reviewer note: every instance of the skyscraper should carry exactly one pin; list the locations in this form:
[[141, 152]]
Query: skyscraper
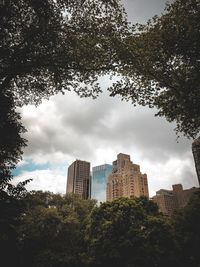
[[99, 180], [78, 179], [196, 154], [126, 180]]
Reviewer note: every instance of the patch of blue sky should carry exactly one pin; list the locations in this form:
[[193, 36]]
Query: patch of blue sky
[[30, 166]]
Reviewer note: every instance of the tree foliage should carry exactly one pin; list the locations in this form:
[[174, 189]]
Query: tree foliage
[[161, 65], [51, 230], [48, 47], [11, 142], [129, 232], [11, 208], [187, 233], [51, 46], [48, 229]]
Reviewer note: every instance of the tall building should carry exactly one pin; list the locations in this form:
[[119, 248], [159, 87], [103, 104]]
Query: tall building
[[170, 200], [196, 154], [78, 179], [126, 180], [99, 180]]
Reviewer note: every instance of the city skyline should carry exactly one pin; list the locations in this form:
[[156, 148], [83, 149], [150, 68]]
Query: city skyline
[[67, 127], [107, 182], [122, 179]]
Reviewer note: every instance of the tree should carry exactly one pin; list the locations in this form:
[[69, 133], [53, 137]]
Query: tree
[[11, 207], [129, 232], [51, 46], [11, 145], [51, 230], [161, 65], [187, 233], [11, 142], [48, 47]]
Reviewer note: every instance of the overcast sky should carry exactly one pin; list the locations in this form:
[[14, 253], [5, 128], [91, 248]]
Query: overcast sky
[[66, 128]]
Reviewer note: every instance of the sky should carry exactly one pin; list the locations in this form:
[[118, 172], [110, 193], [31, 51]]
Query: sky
[[65, 128]]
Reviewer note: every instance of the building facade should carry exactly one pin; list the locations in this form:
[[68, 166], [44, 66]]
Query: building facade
[[196, 154], [170, 200], [166, 201], [99, 180], [126, 180], [78, 179]]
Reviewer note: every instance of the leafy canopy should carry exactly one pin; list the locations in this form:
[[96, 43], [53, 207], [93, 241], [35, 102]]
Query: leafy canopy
[[48, 47], [51, 229], [187, 232], [11, 142], [161, 65], [47, 229], [129, 232], [51, 46]]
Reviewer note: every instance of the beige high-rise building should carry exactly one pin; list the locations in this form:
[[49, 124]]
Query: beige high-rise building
[[170, 200], [78, 179], [126, 180]]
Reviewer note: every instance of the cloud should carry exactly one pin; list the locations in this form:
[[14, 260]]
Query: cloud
[[173, 171], [53, 180], [66, 128]]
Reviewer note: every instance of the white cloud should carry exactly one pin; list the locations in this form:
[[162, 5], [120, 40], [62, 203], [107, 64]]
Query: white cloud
[[173, 171], [22, 163], [46, 180]]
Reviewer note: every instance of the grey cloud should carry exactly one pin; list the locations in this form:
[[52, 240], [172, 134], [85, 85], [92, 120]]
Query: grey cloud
[[153, 136], [188, 175], [78, 128], [84, 126]]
